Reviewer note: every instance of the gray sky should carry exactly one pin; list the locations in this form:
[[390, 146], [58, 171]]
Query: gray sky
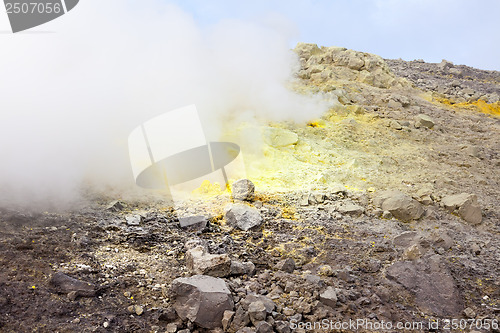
[[463, 31]]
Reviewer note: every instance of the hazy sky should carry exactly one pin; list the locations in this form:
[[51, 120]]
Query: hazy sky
[[462, 31]]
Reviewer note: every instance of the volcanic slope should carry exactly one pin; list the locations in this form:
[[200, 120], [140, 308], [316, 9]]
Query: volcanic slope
[[384, 209]]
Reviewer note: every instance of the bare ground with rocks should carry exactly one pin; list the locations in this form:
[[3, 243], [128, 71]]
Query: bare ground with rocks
[[391, 214]]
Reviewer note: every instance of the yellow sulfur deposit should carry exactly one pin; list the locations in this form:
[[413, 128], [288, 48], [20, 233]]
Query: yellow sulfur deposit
[[478, 106]]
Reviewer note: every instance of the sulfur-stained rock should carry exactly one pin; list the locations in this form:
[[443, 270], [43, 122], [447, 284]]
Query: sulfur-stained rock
[[279, 137], [201, 299], [243, 189]]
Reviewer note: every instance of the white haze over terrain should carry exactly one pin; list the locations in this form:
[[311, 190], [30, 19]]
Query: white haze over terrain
[[73, 89]]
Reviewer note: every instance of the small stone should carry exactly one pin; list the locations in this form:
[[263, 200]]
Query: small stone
[[286, 265], [351, 209], [242, 268], [240, 319], [242, 216], [115, 206], [401, 206], [329, 297], [105, 324], [227, 317], [288, 312], [127, 294], [475, 249], [198, 261], [412, 253], [263, 327], [386, 215], [396, 125], [469, 313], [193, 223], [72, 295], [257, 312], [282, 326], [423, 120], [66, 284], [243, 189], [467, 206], [139, 310], [134, 220], [171, 327], [325, 270]]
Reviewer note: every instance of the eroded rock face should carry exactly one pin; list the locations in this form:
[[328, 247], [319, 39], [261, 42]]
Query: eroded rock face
[[332, 63], [432, 283], [401, 206], [465, 205], [201, 299]]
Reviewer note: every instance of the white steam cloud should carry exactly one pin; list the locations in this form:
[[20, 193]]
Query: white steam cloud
[[70, 98]]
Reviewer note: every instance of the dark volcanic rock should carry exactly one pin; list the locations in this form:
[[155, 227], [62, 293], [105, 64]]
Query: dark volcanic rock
[[431, 282], [66, 284], [201, 299]]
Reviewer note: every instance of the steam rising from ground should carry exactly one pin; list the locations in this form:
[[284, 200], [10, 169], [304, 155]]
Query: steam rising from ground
[[70, 98]]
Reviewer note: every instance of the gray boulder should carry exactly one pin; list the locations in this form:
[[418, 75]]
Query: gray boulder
[[242, 216], [63, 283], [465, 205], [423, 120], [243, 189], [351, 209], [432, 284], [329, 297], [201, 299], [193, 223], [286, 265], [199, 261], [400, 205], [242, 268]]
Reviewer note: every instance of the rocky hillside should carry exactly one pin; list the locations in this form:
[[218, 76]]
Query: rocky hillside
[[382, 212]]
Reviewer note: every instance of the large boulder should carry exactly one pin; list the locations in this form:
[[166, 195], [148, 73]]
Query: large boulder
[[199, 261], [201, 299], [432, 284], [401, 206], [242, 216], [465, 205]]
